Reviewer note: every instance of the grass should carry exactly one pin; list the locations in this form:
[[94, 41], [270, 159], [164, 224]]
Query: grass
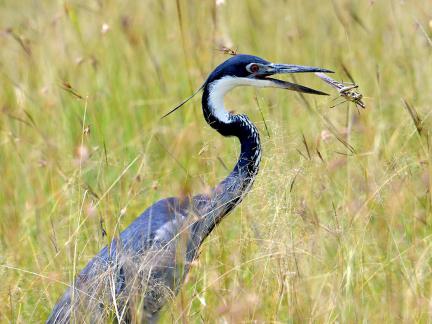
[[328, 233]]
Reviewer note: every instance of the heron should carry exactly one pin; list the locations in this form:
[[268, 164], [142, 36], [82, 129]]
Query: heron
[[133, 277]]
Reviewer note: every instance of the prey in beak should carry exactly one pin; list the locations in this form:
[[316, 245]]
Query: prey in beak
[[262, 72]]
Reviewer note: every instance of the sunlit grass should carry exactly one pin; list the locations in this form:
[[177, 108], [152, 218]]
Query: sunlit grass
[[327, 234]]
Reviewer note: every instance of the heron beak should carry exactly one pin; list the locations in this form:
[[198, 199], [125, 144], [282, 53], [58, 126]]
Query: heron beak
[[289, 68]]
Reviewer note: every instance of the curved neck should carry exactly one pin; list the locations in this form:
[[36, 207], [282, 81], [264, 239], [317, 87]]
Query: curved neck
[[240, 126], [230, 191]]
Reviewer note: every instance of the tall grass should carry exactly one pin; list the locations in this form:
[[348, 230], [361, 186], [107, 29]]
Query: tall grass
[[329, 233]]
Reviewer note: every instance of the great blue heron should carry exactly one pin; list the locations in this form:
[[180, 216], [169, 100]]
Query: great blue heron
[[133, 277]]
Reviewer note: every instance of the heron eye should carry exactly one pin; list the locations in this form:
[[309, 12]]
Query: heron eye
[[254, 68]]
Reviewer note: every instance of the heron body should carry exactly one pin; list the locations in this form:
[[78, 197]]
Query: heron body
[[134, 277]]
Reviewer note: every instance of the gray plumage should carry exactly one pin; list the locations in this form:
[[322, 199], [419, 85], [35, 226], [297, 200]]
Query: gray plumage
[[149, 261]]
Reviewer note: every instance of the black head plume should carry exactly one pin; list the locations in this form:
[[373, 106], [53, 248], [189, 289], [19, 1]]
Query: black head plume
[[183, 102]]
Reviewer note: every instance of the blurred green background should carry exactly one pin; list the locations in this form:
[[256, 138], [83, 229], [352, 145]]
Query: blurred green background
[[337, 227]]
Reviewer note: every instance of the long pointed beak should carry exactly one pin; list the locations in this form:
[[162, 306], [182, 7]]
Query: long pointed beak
[[290, 68]]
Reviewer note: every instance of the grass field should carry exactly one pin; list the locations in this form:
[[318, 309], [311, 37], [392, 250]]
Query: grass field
[[337, 227]]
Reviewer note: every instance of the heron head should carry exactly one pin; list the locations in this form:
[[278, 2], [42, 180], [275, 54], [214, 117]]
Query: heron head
[[249, 70]]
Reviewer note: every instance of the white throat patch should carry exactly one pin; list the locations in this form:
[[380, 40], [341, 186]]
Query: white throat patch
[[218, 90]]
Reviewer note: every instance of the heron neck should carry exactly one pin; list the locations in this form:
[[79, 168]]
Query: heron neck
[[241, 127], [248, 162], [230, 191]]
